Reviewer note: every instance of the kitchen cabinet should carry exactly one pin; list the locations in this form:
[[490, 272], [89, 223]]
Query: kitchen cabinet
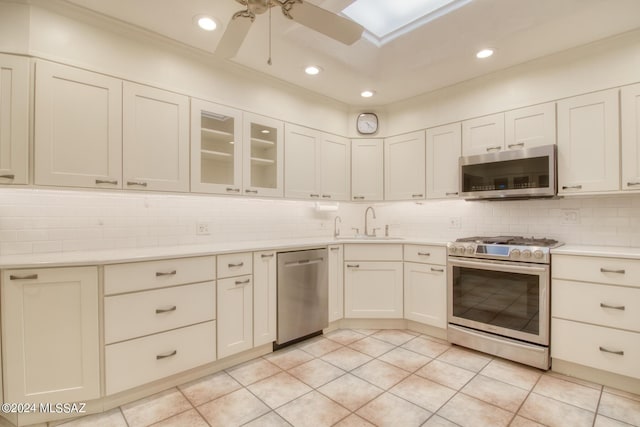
[[14, 119], [336, 282], [318, 165], [443, 151], [78, 128], [373, 281], [530, 126], [265, 288], [155, 134], [483, 135], [405, 167], [630, 106], [588, 143], [425, 285], [367, 167], [50, 335], [263, 145]]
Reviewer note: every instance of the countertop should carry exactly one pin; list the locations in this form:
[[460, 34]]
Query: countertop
[[599, 251]]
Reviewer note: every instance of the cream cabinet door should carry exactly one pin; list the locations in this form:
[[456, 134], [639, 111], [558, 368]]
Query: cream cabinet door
[[630, 137], [302, 165], [155, 139], [588, 143], [335, 168], [216, 148], [367, 169], [14, 119], [78, 128], [530, 126], [404, 167], [425, 294], [235, 315], [265, 314], [483, 135], [50, 335], [373, 290], [443, 151], [263, 157], [336, 282]]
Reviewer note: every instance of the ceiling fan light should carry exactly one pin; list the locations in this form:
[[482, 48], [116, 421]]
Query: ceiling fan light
[[207, 23], [484, 53], [367, 93], [312, 70]]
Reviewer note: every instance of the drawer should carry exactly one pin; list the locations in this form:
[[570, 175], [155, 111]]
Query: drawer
[[593, 346], [426, 254], [139, 276], [372, 252], [230, 265], [612, 271], [604, 305], [132, 363], [143, 313]]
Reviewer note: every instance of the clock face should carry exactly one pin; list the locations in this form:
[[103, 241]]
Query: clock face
[[367, 123]]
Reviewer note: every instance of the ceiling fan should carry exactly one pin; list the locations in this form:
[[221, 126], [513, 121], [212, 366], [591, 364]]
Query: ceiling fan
[[301, 11]]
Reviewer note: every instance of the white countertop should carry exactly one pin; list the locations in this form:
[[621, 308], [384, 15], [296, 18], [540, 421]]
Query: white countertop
[[600, 251], [115, 256]]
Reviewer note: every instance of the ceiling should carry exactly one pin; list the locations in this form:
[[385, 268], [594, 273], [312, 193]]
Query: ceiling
[[437, 54]]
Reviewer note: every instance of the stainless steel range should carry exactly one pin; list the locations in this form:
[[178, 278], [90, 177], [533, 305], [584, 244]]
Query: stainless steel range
[[498, 296]]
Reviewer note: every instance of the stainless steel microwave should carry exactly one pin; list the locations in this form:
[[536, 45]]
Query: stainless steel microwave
[[523, 174]]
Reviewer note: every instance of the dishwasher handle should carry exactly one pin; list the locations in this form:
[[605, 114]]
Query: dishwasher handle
[[303, 262]]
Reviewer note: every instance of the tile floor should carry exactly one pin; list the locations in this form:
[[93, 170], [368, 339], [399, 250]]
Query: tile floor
[[381, 378]]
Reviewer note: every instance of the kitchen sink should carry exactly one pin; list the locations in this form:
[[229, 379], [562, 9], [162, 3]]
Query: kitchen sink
[[368, 238]]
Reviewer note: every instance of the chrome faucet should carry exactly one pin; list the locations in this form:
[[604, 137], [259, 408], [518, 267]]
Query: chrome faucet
[[366, 224], [336, 230]]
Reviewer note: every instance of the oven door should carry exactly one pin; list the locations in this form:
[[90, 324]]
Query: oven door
[[504, 298]]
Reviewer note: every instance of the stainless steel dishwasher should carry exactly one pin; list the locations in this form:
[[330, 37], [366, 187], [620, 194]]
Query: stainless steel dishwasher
[[302, 294]]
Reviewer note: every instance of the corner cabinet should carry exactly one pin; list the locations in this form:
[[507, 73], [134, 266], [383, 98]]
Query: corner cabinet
[[51, 348], [318, 165], [78, 128], [14, 119], [367, 169], [443, 151], [588, 143], [630, 102], [404, 167]]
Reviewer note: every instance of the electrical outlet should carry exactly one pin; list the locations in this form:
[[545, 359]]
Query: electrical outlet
[[570, 216], [455, 222], [202, 228]]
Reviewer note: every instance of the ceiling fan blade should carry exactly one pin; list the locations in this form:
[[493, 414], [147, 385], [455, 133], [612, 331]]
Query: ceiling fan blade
[[233, 37], [327, 23]]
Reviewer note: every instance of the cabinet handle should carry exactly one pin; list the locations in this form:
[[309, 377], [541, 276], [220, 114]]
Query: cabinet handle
[[107, 181], [572, 187], [437, 270], [164, 356], [496, 148], [417, 195], [232, 190], [358, 197], [243, 282], [630, 184], [614, 307], [451, 193], [326, 196], [335, 248], [140, 183], [166, 310], [166, 273], [251, 191], [26, 277], [267, 255], [314, 195], [606, 350], [353, 265], [424, 253], [607, 270], [9, 176], [519, 144], [240, 264]]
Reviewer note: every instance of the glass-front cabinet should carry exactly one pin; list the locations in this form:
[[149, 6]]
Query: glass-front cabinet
[[263, 171]]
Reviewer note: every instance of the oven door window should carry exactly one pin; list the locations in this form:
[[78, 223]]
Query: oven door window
[[504, 300]]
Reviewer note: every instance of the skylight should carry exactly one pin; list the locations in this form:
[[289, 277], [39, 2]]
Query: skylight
[[385, 20]]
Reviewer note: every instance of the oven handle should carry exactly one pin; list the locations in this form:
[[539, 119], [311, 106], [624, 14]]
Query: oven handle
[[514, 267]]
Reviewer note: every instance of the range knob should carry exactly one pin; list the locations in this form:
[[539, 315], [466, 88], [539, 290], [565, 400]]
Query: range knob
[[526, 253], [470, 250], [453, 249], [538, 254], [514, 253]]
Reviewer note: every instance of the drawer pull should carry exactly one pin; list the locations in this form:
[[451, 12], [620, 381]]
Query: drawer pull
[[232, 190], [314, 195], [140, 183], [424, 253], [267, 255], [607, 270], [243, 282], [9, 176], [572, 187], [335, 248], [614, 307], [26, 277], [353, 265], [166, 310], [606, 350], [240, 264], [451, 193], [166, 273], [633, 183], [107, 181], [326, 196], [251, 191], [496, 148], [417, 195], [437, 270], [518, 145], [358, 197], [164, 356]]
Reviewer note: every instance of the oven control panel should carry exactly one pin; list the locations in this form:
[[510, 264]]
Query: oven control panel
[[495, 251]]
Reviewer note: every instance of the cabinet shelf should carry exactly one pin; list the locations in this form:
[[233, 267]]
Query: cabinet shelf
[[215, 132], [262, 162], [264, 142], [215, 155]]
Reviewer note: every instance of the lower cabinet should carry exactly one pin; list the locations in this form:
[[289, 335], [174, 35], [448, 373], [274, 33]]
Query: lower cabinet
[[265, 315], [235, 315], [425, 294], [373, 289], [51, 349], [336, 282]]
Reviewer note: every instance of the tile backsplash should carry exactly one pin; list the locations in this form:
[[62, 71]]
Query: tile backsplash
[[38, 220]]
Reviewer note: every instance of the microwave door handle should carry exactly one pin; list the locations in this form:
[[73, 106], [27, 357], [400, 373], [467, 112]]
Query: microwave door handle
[[499, 266]]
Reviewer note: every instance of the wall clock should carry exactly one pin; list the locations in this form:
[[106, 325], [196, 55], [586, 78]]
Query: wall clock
[[367, 123]]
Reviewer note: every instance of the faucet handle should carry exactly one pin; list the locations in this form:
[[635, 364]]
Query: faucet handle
[[374, 230], [357, 230]]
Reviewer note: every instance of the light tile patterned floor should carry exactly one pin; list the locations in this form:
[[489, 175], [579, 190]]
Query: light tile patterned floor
[[382, 378]]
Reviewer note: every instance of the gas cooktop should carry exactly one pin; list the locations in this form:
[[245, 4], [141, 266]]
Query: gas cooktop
[[507, 248]]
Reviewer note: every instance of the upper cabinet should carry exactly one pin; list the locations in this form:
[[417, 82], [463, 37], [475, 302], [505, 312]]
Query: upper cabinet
[[483, 135], [263, 172], [367, 166], [14, 119], [588, 143], [443, 151], [318, 165], [631, 137], [78, 128], [404, 167], [155, 139]]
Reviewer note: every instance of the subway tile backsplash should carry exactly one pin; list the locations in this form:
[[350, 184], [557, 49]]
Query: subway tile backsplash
[[37, 220]]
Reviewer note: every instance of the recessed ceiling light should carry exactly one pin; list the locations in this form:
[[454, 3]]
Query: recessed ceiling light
[[205, 22], [312, 70], [367, 93], [484, 53]]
